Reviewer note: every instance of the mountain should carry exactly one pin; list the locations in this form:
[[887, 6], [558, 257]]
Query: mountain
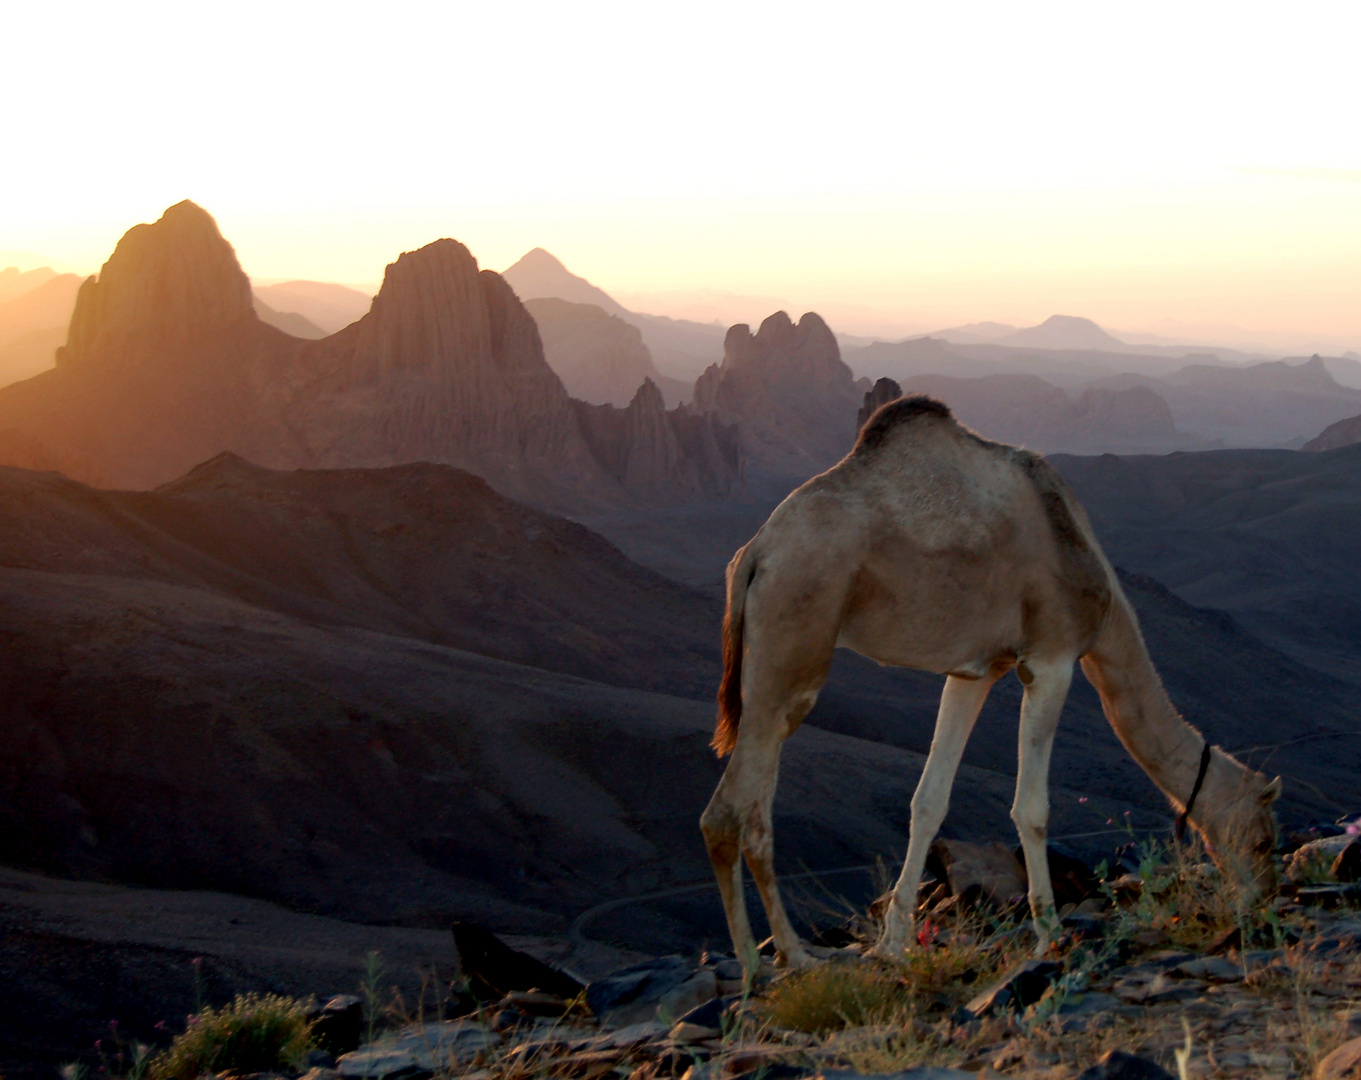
[[33, 323], [600, 358], [325, 305], [15, 282], [1063, 332], [681, 348], [1270, 404], [1268, 536], [167, 364], [290, 322], [1335, 436], [792, 398], [973, 333], [539, 274], [1028, 411]]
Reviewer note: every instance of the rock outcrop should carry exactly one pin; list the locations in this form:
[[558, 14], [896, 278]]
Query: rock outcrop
[[167, 286], [168, 364], [650, 450], [1335, 436], [786, 387]]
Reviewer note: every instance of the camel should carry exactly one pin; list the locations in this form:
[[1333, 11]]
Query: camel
[[930, 547]]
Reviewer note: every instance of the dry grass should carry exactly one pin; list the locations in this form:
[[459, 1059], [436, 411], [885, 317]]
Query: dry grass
[[254, 1033]]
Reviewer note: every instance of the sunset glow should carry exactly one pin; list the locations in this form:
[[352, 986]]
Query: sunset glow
[[900, 168]]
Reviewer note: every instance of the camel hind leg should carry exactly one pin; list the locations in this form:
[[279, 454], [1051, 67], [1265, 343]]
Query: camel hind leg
[[739, 820], [960, 703], [776, 696]]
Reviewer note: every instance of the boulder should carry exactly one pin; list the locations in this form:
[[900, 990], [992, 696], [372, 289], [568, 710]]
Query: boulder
[[1309, 861], [339, 1024], [989, 869], [493, 969]]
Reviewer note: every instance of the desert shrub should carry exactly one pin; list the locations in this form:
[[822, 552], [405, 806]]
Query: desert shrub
[[1184, 894], [254, 1033], [828, 997]]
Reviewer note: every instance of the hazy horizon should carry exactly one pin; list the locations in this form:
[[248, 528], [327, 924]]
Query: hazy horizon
[[907, 169]]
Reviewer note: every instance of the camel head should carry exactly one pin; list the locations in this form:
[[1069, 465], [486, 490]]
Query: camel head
[[1240, 831]]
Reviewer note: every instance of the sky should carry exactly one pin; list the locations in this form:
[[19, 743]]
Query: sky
[[1187, 169]]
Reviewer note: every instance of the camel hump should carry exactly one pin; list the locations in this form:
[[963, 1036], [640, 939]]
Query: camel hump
[[893, 415], [1085, 570]]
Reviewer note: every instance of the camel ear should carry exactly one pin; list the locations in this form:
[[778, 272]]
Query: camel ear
[[1271, 792]]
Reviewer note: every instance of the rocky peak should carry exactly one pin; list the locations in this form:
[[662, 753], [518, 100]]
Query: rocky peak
[[881, 393], [167, 284], [431, 306], [788, 390]]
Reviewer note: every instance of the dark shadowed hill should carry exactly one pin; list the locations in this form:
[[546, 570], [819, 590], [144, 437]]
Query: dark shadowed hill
[[421, 551], [261, 682], [1269, 536]]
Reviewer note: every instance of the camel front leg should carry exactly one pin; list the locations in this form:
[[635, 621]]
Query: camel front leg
[[1041, 707], [960, 703]]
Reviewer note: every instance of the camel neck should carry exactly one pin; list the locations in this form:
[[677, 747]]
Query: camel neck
[[1166, 747]]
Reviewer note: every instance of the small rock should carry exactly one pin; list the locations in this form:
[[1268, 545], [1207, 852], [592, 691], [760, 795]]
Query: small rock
[[535, 1003], [1216, 969], [1118, 1065], [419, 1048], [925, 1072], [1231, 940], [1347, 866], [1344, 1063], [1328, 896], [1023, 985], [702, 1022]]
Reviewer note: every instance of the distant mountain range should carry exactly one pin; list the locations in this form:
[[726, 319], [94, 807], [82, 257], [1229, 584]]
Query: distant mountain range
[[167, 363]]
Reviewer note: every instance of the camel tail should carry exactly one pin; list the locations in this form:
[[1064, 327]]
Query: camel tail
[[740, 573]]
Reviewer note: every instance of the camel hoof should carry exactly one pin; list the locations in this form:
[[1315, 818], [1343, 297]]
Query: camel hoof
[[894, 952], [795, 960]]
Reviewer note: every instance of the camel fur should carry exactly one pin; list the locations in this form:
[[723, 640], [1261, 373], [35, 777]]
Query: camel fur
[[929, 547]]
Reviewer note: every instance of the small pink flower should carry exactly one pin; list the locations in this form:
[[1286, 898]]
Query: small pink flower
[[1353, 829], [1082, 798]]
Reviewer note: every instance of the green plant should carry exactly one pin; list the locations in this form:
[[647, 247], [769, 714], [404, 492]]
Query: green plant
[[254, 1033]]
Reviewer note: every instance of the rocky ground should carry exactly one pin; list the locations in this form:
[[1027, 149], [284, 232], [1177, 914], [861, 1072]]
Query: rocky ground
[[1157, 974]]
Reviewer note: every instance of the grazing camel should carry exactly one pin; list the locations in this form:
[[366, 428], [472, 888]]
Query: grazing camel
[[929, 547]]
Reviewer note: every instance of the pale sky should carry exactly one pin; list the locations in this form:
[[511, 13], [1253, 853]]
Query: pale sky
[[921, 164]]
